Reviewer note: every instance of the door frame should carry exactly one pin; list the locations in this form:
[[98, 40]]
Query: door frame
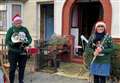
[[67, 10], [41, 20]]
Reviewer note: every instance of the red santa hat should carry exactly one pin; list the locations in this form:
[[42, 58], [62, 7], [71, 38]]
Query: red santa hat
[[100, 23], [16, 17]]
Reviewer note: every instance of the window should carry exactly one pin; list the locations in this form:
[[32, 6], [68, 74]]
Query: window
[[16, 9], [7, 11], [3, 17], [75, 17]]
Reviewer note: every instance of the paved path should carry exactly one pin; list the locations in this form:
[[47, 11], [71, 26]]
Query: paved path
[[40, 77]]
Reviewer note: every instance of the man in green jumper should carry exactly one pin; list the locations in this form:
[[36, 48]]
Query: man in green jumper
[[17, 39]]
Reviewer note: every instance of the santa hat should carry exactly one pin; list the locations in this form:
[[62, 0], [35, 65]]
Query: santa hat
[[16, 17], [100, 23]]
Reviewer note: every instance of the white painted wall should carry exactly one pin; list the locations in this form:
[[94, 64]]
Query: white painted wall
[[115, 18], [31, 17], [58, 8]]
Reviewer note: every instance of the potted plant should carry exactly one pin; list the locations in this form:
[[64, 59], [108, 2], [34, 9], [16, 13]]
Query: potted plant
[[55, 46], [57, 41]]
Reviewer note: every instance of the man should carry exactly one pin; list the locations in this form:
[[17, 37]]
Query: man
[[17, 39]]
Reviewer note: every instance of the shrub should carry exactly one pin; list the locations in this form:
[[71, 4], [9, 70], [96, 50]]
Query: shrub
[[57, 40], [116, 61]]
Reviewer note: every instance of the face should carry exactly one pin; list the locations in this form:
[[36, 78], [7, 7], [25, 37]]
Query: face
[[18, 23], [100, 28]]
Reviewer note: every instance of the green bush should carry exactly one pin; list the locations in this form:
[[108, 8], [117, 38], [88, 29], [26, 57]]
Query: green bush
[[116, 61], [57, 40]]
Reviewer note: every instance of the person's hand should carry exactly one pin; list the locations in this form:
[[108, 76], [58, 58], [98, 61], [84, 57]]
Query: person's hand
[[98, 49]]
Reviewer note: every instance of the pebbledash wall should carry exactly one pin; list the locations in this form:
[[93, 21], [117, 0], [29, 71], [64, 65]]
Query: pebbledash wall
[[31, 17]]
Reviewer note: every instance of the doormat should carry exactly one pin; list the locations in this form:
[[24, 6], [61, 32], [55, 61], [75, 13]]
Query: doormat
[[73, 70]]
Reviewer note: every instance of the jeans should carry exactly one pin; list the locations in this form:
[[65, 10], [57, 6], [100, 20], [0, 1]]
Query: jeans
[[16, 60], [99, 79]]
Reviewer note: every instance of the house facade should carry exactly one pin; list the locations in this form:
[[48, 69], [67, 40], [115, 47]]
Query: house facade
[[64, 17]]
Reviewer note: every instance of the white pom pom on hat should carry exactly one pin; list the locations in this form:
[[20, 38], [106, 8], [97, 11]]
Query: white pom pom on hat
[[100, 23]]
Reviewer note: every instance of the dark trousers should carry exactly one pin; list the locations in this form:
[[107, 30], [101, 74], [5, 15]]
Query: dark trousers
[[16, 60], [99, 79]]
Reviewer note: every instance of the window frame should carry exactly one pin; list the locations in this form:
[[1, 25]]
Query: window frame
[[9, 9], [3, 12], [9, 12]]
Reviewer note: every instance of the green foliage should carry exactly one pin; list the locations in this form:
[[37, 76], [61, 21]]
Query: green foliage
[[116, 61], [88, 56], [57, 40]]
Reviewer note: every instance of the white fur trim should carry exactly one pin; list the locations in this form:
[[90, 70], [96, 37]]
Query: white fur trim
[[17, 18], [100, 23]]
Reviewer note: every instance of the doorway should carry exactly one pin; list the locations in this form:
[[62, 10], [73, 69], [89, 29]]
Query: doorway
[[84, 16], [46, 21]]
